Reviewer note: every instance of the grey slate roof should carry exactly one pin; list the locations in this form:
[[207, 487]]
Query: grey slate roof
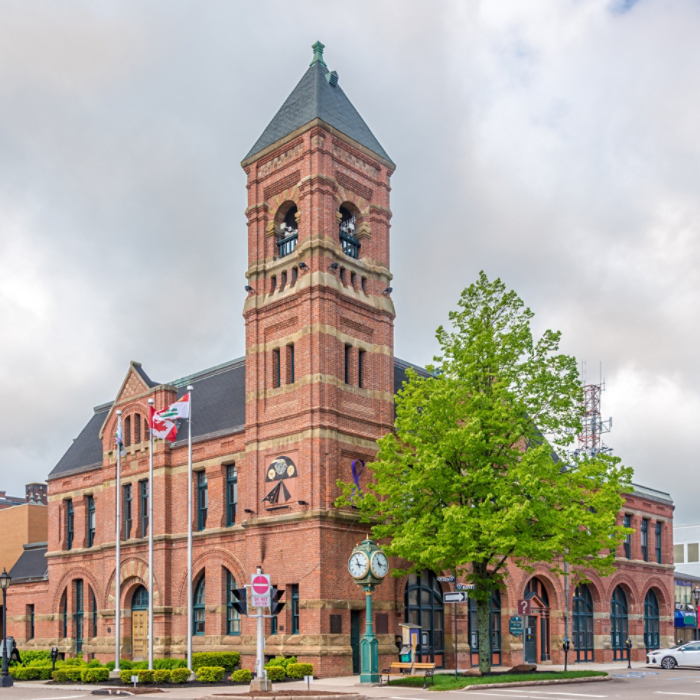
[[218, 407], [315, 98], [31, 563]]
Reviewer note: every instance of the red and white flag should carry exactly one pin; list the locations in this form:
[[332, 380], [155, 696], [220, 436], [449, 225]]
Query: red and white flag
[[162, 428]]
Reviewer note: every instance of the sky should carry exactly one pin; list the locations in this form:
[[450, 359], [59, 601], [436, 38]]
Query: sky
[[552, 143]]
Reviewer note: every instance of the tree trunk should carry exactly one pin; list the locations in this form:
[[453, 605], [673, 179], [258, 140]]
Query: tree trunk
[[483, 614]]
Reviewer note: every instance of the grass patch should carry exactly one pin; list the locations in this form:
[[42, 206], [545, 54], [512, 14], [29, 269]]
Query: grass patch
[[448, 682]]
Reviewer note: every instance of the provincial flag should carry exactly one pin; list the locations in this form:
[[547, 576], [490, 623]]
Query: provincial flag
[[179, 409], [162, 428], [119, 440]]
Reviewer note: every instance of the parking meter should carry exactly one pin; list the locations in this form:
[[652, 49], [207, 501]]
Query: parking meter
[[54, 657], [628, 646], [566, 646]]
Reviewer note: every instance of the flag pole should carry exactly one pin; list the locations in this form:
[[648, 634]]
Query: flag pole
[[190, 612], [150, 539], [117, 575]]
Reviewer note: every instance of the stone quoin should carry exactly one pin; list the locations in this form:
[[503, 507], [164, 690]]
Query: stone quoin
[[273, 433]]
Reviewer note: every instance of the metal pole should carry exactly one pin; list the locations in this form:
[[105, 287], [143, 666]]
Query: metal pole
[[190, 621], [456, 647], [260, 661], [4, 637], [566, 600], [118, 549], [150, 542]]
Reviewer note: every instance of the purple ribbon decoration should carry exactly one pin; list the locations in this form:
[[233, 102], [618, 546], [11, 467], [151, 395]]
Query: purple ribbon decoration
[[356, 474]]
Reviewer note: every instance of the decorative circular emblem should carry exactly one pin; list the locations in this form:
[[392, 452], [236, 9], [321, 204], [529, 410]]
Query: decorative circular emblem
[[290, 470], [271, 475], [280, 466]]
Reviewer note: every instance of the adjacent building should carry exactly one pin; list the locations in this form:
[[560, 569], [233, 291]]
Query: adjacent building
[[273, 433]]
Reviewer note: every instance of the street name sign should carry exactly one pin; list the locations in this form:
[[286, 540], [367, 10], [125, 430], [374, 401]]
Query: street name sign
[[260, 591], [455, 597], [466, 586], [446, 579]]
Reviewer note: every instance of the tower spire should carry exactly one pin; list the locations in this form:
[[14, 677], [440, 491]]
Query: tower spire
[[318, 54]]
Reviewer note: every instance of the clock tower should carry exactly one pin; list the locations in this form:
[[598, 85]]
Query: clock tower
[[318, 313]]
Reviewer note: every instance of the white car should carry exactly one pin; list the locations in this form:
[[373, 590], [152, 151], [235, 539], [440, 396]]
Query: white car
[[684, 655]]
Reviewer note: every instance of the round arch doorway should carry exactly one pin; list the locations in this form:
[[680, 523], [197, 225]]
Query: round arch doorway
[[139, 624], [423, 606], [536, 639]]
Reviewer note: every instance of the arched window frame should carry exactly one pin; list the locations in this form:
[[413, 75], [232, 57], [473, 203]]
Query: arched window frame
[[428, 590], [651, 621], [199, 608], [619, 623], [233, 617], [582, 624]]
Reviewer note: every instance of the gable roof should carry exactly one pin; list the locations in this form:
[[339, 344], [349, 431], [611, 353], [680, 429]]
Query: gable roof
[[315, 97], [31, 563], [218, 409]]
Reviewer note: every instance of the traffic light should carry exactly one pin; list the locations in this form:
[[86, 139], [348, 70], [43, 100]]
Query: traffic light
[[240, 600], [275, 604]]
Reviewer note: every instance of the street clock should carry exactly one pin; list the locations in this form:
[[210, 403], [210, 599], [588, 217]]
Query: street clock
[[368, 565]]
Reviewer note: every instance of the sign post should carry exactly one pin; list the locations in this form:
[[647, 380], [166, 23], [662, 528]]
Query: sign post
[[261, 597], [455, 597]]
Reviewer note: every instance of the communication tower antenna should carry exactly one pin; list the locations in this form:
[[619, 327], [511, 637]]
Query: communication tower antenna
[[590, 440]]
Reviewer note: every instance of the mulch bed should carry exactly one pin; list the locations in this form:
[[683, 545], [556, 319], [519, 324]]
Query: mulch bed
[[285, 693]]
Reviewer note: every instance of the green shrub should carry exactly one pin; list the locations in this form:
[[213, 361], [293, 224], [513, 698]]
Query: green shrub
[[94, 675], [161, 675], [139, 665], [145, 675], [75, 661], [300, 670], [25, 673], [283, 661], [179, 675], [276, 673], [210, 674], [95, 663], [169, 663], [125, 675], [32, 655], [243, 675], [124, 665], [67, 674], [228, 660]]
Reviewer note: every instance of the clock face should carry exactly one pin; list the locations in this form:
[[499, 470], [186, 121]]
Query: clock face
[[380, 565], [358, 565]]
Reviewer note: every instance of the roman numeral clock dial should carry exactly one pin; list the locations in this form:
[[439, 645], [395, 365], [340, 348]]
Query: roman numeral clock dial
[[358, 565]]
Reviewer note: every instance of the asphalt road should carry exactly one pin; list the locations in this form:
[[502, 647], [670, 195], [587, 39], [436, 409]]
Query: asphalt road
[[637, 684]]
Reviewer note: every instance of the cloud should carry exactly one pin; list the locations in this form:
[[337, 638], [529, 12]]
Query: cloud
[[551, 143]]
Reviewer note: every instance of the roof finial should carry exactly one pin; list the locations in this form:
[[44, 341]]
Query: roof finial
[[318, 53]]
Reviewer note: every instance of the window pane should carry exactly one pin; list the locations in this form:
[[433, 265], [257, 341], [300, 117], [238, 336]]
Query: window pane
[[693, 552], [678, 554]]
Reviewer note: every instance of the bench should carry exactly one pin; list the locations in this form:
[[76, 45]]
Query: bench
[[428, 672], [399, 668]]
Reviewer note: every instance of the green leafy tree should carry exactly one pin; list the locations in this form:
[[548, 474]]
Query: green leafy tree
[[470, 478]]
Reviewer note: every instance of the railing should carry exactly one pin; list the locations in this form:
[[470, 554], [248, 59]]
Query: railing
[[287, 244], [350, 245]]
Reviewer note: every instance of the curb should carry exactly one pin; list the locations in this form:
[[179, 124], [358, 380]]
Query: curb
[[519, 684]]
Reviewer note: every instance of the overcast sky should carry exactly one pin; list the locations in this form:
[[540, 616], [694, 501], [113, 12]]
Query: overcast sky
[[553, 143]]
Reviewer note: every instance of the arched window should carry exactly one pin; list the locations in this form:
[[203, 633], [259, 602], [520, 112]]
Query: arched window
[[127, 431], [94, 613], [137, 429], [423, 606], [139, 600], [494, 630], [651, 621], [349, 243], [64, 610], [233, 617], [619, 625], [198, 607], [582, 623], [288, 232]]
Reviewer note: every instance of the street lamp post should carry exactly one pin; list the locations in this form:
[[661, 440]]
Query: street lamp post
[[696, 598], [6, 679]]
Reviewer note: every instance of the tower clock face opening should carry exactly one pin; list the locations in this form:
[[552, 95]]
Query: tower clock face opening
[[358, 565]]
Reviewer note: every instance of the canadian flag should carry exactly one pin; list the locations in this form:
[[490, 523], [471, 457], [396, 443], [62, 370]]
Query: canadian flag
[[162, 428]]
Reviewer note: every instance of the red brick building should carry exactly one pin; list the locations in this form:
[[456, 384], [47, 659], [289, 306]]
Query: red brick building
[[273, 432]]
